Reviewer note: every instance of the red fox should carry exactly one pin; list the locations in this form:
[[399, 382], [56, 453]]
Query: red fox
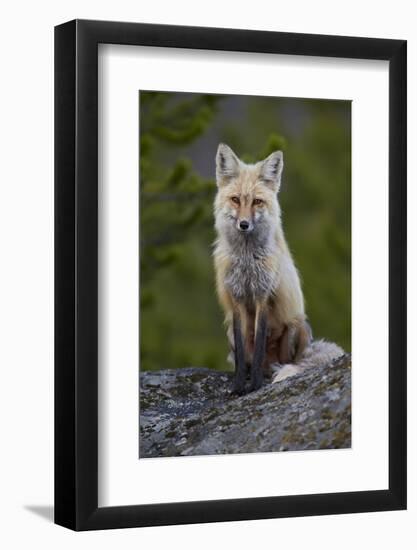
[[257, 282]]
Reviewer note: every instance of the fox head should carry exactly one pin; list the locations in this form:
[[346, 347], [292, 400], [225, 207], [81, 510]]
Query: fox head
[[246, 203]]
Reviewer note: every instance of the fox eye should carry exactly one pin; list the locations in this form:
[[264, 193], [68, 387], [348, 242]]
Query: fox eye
[[236, 200], [257, 202]]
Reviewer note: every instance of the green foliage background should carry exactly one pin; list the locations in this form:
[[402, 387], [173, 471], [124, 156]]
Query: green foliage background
[[180, 321]]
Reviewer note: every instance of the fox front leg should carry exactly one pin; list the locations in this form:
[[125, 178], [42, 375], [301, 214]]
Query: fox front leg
[[239, 352], [261, 326]]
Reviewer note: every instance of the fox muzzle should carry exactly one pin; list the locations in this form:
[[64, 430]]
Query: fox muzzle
[[245, 226]]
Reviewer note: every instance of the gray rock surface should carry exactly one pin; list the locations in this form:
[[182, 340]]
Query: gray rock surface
[[190, 412]]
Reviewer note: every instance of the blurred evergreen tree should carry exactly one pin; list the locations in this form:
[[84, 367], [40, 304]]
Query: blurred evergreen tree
[[178, 303]]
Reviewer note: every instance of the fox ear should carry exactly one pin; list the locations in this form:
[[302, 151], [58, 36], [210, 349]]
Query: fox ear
[[227, 164], [271, 169]]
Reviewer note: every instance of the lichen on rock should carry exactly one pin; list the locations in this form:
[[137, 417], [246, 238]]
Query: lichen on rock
[[190, 411]]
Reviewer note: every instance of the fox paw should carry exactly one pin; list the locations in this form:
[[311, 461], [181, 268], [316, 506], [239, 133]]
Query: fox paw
[[238, 388], [237, 392], [256, 383]]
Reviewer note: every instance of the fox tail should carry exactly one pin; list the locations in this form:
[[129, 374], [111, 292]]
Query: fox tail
[[319, 352]]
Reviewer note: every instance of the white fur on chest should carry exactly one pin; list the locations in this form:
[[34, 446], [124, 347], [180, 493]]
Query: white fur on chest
[[248, 278]]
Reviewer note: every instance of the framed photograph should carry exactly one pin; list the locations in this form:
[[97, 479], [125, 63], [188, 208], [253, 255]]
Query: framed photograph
[[230, 275]]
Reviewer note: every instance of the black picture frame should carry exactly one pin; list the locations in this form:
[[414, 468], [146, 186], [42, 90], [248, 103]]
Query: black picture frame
[[76, 272]]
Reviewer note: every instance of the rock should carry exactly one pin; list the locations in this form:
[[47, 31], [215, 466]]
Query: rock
[[190, 412]]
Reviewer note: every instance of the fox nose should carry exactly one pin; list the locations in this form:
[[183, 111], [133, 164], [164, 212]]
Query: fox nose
[[244, 225]]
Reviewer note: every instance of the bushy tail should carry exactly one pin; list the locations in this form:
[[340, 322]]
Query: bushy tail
[[318, 353]]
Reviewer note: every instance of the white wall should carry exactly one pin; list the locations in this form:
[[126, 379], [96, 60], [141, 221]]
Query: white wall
[[26, 291]]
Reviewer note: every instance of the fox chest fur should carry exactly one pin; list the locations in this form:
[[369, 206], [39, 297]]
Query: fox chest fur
[[250, 276]]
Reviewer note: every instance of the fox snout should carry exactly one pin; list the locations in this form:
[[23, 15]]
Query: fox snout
[[244, 225]]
